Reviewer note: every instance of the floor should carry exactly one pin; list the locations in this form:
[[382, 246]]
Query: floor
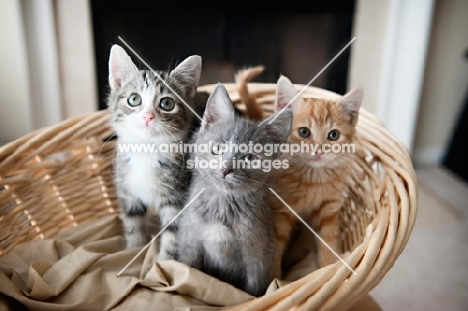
[[432, 272]]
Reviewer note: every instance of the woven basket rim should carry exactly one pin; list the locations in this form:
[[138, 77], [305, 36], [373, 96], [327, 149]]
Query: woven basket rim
[[371, 259]]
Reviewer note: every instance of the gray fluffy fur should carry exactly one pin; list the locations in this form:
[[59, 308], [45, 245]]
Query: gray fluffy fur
[[228, 231]]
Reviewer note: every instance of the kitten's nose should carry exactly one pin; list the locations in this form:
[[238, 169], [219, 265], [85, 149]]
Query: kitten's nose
[[226, 171], [318, 153], [148, 117]]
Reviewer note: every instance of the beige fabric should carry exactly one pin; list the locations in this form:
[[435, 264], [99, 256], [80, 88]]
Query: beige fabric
[[78, 271], [38, 197]]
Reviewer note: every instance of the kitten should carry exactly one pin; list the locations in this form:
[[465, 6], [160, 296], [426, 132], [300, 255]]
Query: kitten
[[228, 231], [315, 184], [143, 110]]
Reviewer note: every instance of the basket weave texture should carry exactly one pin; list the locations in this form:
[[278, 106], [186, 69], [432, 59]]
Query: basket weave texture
[[61, 176]]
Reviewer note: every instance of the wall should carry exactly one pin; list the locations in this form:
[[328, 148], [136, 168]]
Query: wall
[[77, 59], [15, 116], [388, 57], [445, 81], [47, 70], [367, 52]]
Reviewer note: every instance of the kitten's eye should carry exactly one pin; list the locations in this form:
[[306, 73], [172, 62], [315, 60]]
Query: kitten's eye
[[250, 157], [217, 149], [134, 100], [333, 135], [304, 132], [167, 104]]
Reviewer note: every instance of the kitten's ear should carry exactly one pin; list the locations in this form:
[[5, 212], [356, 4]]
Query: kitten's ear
[[351, 103], [219, 107], [188, 74], [121, 67], [280, 128], [285, 92]]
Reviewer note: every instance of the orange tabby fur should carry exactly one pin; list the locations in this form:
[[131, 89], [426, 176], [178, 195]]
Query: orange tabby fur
[[242, 78], [314, 187]]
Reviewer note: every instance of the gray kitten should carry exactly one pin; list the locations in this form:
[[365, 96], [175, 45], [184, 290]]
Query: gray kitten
[[228, 230], [143, 110]]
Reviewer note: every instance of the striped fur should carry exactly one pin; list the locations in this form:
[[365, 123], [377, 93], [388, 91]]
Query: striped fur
[[152, 180], [314, 185]]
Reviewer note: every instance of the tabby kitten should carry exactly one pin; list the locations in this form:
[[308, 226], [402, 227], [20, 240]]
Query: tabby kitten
[[315, 184], [143, 110], [228, 231]]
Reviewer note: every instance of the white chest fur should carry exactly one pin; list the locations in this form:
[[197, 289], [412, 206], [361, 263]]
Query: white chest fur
[[216, 232], [141, 177]]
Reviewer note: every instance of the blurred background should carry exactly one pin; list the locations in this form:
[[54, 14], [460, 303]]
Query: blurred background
[[411, 55]]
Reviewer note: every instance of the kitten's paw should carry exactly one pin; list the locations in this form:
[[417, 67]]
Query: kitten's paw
[[135, 240], [255, 290], [165, 256]]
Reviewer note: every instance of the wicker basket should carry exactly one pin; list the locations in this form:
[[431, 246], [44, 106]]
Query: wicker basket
[[61, 176]]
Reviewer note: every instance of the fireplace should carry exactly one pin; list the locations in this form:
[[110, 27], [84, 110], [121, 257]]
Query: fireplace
[[297, 44]]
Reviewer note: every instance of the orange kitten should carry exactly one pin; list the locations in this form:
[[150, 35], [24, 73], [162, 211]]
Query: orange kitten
[[315, 183]]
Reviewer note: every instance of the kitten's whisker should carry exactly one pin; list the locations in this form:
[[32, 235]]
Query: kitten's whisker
[[252, 181], [161, 129], [175, 140], [344, 163], [170, 126], [164, 132], [349, 167], [168, 132], [298, 159], [168, 141]]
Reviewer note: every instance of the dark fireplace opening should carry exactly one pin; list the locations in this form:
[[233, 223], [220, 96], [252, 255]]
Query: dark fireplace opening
[[297, 44]]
